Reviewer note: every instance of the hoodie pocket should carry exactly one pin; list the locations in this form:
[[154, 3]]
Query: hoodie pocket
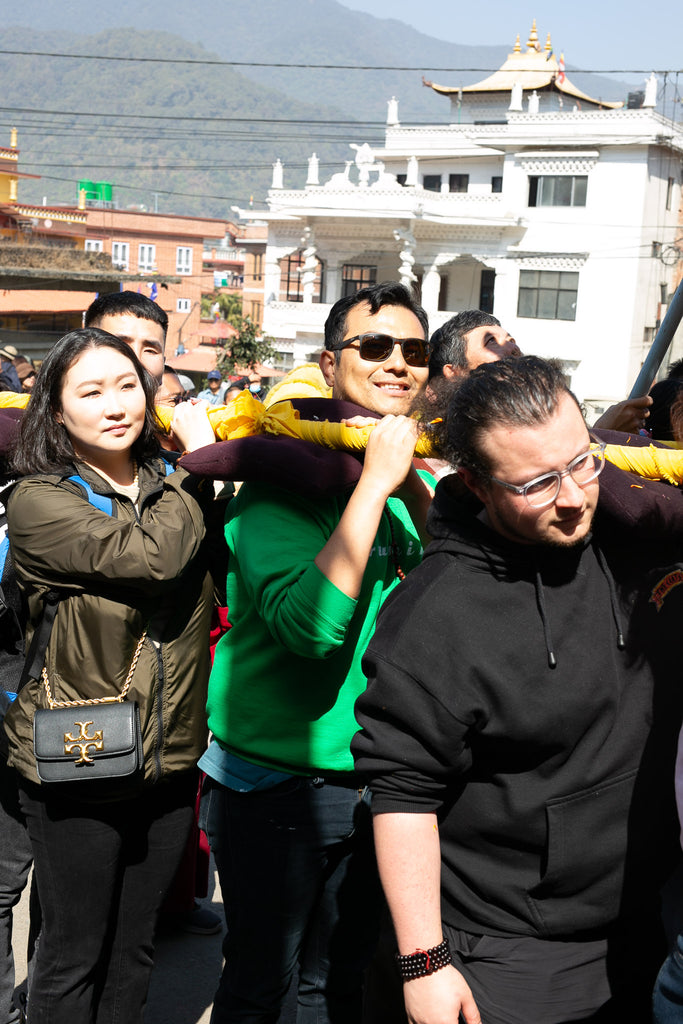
[[587, 843]]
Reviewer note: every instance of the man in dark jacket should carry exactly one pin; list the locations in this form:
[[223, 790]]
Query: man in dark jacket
[[9, 379], [520, 725]]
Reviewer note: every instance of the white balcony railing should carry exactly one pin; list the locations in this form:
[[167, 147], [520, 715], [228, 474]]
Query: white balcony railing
[[289, 319]]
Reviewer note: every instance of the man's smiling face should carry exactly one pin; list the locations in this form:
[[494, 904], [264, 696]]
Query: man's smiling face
[[387, 387]]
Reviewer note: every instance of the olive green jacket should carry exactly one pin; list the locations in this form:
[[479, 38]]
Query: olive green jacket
[[117, 575]]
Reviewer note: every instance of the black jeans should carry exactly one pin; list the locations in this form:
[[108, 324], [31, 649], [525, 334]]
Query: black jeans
[[102, 869], [300, 888]]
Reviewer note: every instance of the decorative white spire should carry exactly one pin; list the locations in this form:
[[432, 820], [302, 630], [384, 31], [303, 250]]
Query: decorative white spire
[[516, 94], [278, 174], [651, 91], [313, 169]]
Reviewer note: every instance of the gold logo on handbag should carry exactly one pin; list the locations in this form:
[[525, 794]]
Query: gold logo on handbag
[[82, 742]]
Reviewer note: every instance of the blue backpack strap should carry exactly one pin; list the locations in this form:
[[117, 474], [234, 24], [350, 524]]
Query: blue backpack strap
[[4, 551], [169, 467], [99, 501]]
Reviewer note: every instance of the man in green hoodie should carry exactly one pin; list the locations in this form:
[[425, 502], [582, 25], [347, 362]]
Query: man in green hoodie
[[286, 817]]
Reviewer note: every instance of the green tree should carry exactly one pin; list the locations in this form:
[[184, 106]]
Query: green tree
[[229, 305], [247, 349]]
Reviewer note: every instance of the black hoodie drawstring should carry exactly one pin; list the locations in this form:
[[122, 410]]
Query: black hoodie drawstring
[[621, 643], [540, 600]]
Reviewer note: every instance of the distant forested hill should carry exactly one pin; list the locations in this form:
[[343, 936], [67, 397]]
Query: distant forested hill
[[192, 138], [149, 127], [310, 32]]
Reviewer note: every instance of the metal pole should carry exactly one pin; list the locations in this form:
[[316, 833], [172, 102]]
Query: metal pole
[[660, 345]]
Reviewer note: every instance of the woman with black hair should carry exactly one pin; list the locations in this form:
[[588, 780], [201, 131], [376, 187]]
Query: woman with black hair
[[100, 524]]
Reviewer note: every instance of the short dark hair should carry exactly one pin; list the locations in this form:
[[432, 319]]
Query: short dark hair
[[126, 304], [664, 395], [520, 392], [449, 342], [389, 293], [675, 371], [44, 445], [677, 418]]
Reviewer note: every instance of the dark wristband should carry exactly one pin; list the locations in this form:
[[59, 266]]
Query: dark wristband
[[424, 961]]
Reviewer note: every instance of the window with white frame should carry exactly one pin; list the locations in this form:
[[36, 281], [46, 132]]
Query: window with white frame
[[120, 255], [558, 189], [669, 192], [355, 277], [548, 294], [431, 182], [183, 259], [147, 257], [183, 305], [93, 245], [458, 182], [283, 360]]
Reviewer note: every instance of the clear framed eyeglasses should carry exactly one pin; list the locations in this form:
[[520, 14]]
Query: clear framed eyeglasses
[[543, 490]]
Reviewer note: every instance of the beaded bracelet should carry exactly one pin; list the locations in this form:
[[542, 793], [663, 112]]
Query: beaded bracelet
[[424, 961]]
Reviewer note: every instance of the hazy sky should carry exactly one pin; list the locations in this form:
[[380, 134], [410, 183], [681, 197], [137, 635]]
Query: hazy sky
[[602, 35]]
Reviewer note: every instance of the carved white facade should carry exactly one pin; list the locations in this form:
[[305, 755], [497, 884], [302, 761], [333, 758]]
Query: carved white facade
[[564, 222]]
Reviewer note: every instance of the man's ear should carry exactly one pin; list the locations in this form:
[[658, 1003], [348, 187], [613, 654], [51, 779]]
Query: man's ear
[[450, 372], [327, 366], [474, 483]]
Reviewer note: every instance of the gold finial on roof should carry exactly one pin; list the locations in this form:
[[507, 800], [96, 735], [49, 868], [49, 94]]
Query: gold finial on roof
[[518, 48], [548, 44], [532, 41], [13, 139]]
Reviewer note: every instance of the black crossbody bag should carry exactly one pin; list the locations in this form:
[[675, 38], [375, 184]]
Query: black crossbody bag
[[82, 740]]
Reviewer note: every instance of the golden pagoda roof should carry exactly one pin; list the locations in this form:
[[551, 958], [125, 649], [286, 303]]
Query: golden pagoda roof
[[535, 68]]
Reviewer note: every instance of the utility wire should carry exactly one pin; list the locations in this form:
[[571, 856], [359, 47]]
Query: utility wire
[[186, 117], [322, 67]]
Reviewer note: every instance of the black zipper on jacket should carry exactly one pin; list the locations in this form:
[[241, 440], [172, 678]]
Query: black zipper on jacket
[[159, 712]]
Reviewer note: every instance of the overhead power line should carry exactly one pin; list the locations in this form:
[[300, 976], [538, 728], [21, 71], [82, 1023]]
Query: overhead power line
[[161, 191], [319, 67], [189, 117]]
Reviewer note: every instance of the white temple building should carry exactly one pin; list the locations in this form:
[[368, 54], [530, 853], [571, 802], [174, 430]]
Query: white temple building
[[557, 212]]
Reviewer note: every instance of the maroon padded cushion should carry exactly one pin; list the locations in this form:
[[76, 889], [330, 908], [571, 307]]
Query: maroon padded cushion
[[286, 461], [10, 420]]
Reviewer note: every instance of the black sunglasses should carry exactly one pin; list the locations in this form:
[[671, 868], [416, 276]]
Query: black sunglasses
[[375, 348]]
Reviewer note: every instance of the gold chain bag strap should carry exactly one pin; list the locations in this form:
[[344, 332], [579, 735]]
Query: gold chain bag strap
[[104, 742]]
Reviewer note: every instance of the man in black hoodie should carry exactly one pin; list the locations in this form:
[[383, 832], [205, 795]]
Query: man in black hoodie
[[520, 724]]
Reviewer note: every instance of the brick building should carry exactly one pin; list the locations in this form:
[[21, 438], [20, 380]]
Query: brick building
[[54, 260]]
